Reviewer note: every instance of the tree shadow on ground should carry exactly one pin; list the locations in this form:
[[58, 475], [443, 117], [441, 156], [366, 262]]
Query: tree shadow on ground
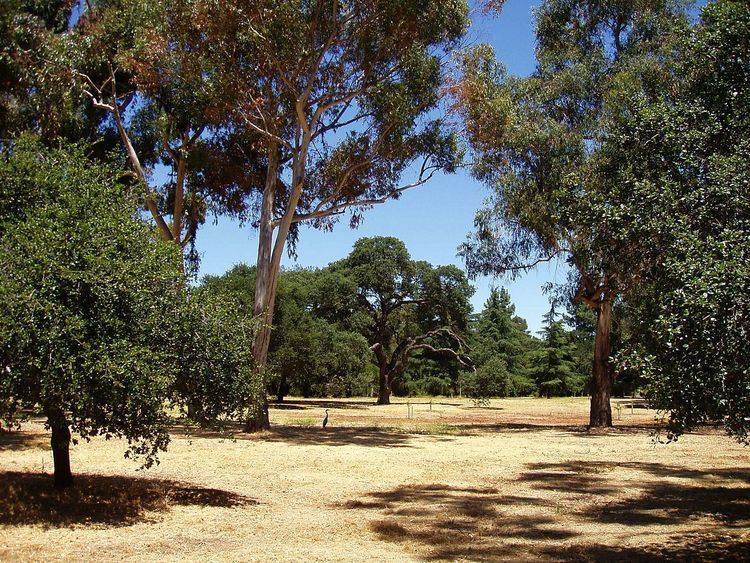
[[582, 430], [372, 437], [494, 427], [459, 522], [30, 498], [16, 440], [448, 522], [656, 469], [716, 494], [300, 404], [366, 436], [688, 548]]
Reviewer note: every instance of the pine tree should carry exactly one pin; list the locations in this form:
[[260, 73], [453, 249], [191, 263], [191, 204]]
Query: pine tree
[[553, 366], [501, 345]]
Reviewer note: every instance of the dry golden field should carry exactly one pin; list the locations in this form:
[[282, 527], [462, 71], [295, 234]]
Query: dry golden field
[[520, 480]]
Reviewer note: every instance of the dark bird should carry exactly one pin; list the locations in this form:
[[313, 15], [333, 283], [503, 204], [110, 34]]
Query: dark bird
[[325, 420]]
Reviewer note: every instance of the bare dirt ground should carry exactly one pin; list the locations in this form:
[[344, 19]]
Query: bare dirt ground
[[520, 480]]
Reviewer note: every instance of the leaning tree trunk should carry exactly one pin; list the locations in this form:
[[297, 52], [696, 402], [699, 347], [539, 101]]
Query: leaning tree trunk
[[60, 443], [603, 382], [265, 291]]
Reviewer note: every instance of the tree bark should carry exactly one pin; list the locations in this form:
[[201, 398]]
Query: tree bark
[[384, 387], [60, 443], [264, 288], [603, 381], [270, 252]]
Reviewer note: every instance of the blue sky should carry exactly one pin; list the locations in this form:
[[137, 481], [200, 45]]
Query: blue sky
[[432, 220]]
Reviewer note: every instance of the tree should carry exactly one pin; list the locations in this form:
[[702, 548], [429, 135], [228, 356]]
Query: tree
[[553, 365], [84, 295], [34, 95], [499, 338], [491, 379], [144, 66], [308, 355], [341, 96], [683, 218], [216, 379], [402, 307], [538, 139]]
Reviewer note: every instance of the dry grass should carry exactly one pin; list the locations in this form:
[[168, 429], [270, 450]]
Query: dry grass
[[521, 480]]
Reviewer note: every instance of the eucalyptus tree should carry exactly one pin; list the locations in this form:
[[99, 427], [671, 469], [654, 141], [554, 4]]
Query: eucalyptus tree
[[537, 141], [401, 306], [35, 93], [683, 218], [144, 66], [341, 94]]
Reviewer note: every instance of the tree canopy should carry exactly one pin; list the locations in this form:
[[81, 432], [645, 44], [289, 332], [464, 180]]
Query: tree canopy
[[538, 139], [683, 219], [96, 329], [83, 291]]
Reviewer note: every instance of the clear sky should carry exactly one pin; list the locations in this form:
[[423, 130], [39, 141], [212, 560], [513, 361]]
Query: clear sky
[[432, 219]]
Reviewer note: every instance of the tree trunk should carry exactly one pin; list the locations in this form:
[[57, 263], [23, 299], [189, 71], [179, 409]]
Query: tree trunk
[[384, 387], [270, 252], [603, 382], [265, 290], [259, 420], [60, 443]]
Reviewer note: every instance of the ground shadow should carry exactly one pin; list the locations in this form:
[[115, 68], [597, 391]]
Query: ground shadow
[[656, 469], [30, 498], [458, 522], [297, 404], [451, 522], [366, 436], [710, 493], [690, 548], [645, 429], [373, 437], [494, 427], [16, 440]]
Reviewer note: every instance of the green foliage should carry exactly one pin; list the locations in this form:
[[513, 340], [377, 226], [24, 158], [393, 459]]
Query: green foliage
[[553, 365], [684, 219], [217, 380], [537, 138], [344, 92], [35, 79], [499, 338], [491, 379], [404, 308], [308, 355], [85, 300]]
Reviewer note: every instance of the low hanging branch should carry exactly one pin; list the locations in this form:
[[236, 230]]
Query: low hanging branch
[[402, 354]]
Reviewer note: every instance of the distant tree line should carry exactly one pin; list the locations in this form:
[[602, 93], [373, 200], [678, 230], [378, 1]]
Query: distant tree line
[[377, 323]]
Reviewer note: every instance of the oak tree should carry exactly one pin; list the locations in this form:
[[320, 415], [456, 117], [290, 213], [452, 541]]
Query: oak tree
[[401, 306]]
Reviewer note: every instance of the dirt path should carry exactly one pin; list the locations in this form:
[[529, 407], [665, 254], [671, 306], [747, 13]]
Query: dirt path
[[521, 480]]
